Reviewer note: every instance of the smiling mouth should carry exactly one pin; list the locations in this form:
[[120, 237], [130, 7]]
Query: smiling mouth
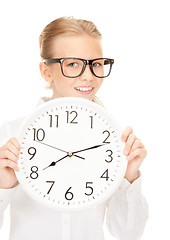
[[86, 90]]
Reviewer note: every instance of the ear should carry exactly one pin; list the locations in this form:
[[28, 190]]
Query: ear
[[45, 72]]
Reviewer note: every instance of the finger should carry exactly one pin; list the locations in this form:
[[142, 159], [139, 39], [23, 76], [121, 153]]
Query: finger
[[129, 143], [137, 144], [8, 163], [139, 152], [15, 142], [126, 133], [12, 148], [6, 154]]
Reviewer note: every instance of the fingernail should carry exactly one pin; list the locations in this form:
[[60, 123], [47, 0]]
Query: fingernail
[[126, 152]]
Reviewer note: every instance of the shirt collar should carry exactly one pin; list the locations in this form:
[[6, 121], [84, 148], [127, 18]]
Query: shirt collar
[[46, 99], [42, 100]]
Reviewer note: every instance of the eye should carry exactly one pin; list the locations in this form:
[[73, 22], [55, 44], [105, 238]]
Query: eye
[[73, 64], [97, 64]]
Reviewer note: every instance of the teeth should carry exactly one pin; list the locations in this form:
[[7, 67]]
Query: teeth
[[84, 89]]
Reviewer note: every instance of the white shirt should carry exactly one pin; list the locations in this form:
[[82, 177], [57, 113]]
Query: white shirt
[[126, 211]]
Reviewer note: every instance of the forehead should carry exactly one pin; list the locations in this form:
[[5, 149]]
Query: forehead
[[82, 46]]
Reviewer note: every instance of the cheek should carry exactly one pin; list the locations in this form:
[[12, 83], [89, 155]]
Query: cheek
[[56, 71], [99, 83], [62, 84], [58, 79]]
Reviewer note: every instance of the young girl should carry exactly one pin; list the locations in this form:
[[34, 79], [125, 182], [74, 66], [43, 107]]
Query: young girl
[[126, 211]]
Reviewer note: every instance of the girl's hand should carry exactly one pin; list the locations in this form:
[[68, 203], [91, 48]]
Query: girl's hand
[[9, 154], [135, 152]]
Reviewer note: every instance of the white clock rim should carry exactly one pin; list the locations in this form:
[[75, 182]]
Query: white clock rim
[[73, 100]]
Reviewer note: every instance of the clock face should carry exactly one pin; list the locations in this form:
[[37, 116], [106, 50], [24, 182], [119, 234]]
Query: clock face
[[71, 154]]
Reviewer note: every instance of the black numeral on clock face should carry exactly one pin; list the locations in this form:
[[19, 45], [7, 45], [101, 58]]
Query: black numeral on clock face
[[105, 175], [34, 172], [110, 156], [71, 116], [69, 195], [32, 151], [91, 121], [52, 184], [53, 121], [39, 134], [107, 133], [89, 188]]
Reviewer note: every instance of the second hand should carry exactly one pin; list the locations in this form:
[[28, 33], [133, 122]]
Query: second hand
[[68, 153]]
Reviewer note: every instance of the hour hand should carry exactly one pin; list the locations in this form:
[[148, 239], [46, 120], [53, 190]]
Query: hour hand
[[68, 155], [54, 163]]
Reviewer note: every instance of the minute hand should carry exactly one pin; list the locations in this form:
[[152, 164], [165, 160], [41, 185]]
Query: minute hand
[[58, 149], [96, 146]]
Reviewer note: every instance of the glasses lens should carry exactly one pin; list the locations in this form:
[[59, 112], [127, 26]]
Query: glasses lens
[[101, 67], [72, 67]]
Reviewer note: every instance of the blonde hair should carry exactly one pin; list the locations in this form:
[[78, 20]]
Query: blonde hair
[[64, 26]]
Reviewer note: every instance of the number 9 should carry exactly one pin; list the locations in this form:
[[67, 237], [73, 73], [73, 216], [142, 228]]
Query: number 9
[[32, 151]]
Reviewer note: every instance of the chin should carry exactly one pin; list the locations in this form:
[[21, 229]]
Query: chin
[[87, 97]]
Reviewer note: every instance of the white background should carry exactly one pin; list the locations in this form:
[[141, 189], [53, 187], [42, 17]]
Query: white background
[[136, 35]]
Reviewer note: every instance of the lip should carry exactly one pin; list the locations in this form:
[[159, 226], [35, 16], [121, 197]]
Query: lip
[[82, 89]]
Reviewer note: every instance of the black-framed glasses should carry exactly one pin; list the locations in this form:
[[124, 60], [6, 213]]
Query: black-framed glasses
[[74, 67]]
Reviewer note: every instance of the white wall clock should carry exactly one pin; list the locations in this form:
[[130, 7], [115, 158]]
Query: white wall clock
[[71, 154]]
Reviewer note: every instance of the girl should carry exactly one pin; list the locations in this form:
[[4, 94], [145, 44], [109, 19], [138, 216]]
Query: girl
[[126, 211]]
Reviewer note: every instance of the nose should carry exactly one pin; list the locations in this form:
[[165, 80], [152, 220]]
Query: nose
[[87, 74]]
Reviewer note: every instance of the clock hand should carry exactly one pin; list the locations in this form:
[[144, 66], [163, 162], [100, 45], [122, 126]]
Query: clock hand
[[96, 146], [51, 146], [68, 154], [76, 156], [54, 163]]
